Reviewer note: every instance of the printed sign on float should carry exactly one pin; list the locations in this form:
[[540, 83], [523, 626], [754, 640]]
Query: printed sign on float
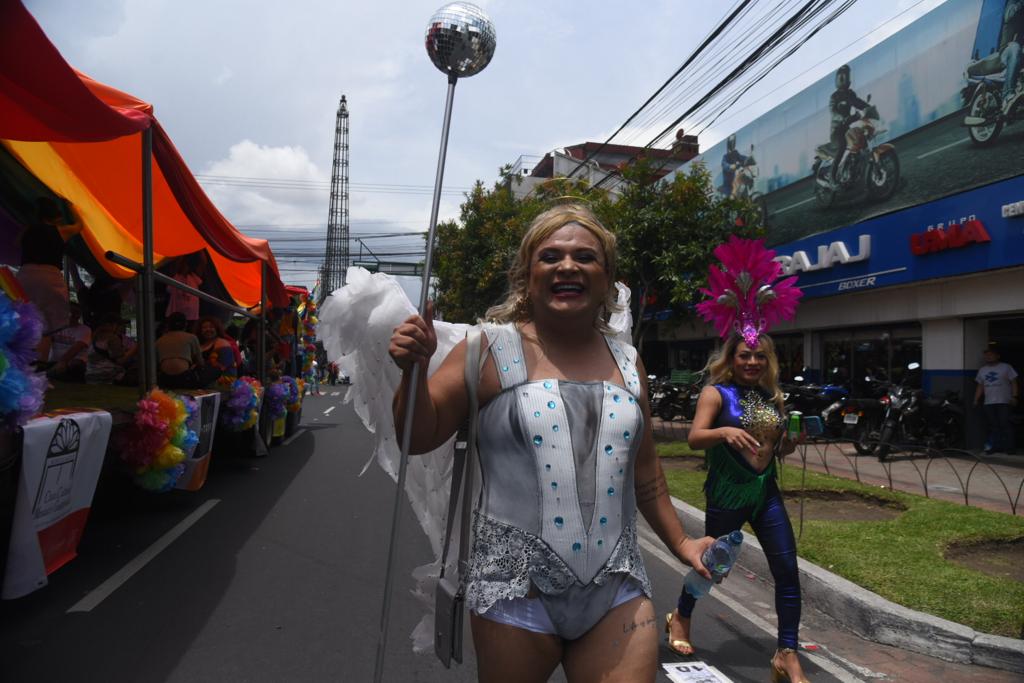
[[62, 457], [203, 422]]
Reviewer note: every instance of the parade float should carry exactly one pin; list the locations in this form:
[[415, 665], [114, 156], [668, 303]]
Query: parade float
[[57, 440]]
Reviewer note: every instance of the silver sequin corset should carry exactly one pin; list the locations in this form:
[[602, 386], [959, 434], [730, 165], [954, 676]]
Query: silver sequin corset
[[557, 506]]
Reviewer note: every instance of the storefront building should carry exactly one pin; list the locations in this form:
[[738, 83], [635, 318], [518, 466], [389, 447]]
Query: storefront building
[[927, 266]]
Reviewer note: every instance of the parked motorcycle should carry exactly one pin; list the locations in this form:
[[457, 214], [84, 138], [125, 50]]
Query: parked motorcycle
[[987, 111], [912, 417], [670, 401], [873, 169], [859, 418], [814, 399]]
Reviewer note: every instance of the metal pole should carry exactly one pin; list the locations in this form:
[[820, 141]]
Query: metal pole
[[261, 342], [148, 338], [140, 330], [410, 401]]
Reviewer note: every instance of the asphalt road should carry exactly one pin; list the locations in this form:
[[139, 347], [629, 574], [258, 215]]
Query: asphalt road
[[279, 577], [936, 161]]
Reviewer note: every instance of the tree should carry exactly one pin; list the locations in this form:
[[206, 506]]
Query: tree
[[667, 231]]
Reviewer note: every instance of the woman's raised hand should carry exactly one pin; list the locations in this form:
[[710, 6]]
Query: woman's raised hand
[[739, 440], [414, 341]]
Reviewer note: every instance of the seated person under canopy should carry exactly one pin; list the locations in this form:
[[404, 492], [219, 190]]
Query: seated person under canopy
[[179, 359]]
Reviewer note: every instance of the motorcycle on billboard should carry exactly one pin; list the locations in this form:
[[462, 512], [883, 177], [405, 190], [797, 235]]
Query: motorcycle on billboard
[[994, 93], [743, 186], [865, 166]]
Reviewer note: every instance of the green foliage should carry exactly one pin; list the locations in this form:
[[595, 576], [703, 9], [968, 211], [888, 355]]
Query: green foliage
[[920, 577], [666, 234]]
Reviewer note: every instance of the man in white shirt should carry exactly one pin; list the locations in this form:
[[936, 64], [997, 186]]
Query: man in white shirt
[[998, 391]]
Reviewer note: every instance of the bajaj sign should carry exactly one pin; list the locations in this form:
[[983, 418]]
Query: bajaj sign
[[827, 256]]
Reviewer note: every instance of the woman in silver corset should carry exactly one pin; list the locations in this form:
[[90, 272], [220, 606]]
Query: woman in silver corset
[[567, 458]]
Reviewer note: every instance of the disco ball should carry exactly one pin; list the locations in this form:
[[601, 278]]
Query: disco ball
[[460, 39]]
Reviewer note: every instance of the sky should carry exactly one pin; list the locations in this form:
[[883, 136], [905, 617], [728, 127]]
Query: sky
[[249, 89]]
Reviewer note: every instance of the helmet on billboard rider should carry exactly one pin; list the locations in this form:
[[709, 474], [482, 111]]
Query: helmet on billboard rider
[[730, 143], [843, 77]]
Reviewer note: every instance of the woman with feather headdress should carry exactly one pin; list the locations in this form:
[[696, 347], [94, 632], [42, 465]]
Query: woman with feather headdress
[[739, 423]]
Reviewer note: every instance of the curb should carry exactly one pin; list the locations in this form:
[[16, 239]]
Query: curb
[[873, 617]]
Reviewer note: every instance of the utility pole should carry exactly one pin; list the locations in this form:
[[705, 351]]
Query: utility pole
[[336, 258]]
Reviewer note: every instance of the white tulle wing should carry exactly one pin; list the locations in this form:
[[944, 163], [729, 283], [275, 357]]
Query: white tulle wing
[[622, 322], [356, 323]]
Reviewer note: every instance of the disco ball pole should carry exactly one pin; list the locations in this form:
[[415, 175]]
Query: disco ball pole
[[460, 41]]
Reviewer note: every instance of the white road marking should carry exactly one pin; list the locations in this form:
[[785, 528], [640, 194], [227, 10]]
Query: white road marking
[[335, 393], [944, 147], [793, 206], [655, 548], [103, 591], [328, 411], [294, 436]]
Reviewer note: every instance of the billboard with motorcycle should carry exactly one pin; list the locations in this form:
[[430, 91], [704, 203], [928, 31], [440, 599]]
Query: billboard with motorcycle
[[927, 113]]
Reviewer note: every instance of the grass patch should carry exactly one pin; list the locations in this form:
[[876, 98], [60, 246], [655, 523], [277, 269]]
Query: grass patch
[[901, 559]]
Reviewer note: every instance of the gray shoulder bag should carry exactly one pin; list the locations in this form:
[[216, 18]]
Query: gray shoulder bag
[[449, 598]]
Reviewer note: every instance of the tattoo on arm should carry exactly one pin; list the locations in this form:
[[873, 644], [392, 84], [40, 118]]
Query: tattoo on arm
[[650, 490]]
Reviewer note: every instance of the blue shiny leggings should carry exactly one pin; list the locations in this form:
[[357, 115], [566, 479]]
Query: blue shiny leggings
[[775, 534]]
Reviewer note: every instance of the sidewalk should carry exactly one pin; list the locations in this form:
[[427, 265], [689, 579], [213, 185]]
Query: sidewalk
[[874, 618]]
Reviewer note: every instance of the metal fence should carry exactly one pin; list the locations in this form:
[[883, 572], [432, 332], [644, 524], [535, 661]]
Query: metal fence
[[949, 474]]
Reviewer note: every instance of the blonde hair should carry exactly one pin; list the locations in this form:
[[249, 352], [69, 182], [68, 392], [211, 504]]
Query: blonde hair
[[516, 306], [719, 367]]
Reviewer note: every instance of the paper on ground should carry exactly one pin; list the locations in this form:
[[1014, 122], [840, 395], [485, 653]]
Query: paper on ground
[[694, 672]]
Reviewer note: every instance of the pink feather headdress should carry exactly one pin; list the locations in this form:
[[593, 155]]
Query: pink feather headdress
[[744, 296]]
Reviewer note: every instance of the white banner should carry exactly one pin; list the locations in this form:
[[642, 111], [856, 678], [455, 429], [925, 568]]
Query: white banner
[[62, 457], [203, 422]]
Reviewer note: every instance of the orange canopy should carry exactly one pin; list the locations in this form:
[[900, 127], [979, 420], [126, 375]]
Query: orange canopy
[[95, 158]]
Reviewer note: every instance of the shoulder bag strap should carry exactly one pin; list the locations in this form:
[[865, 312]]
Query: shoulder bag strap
[[459, 469]]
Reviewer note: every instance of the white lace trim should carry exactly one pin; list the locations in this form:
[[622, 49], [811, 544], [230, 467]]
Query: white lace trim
[[506, 560]]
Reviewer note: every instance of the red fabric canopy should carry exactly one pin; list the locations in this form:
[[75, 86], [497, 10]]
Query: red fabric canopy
[[41, 97]]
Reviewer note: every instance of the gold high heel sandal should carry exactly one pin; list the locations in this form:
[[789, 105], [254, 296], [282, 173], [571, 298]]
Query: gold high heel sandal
[[780, 675], [680, 647]]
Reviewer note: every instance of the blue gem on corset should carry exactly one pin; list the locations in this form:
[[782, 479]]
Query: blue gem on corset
[[604, 521], [500, 347], [551, 404], [547, 467], [538, 440], [576, 547], [625, 435], [631, 400], [617, 398], [559, 522], [600, 543], [620, 470], [611, 416], [515, 360], [611, 490], [608, 449], [548, 385], [554, 485], [504, 368], [536, 413], [554, 428]]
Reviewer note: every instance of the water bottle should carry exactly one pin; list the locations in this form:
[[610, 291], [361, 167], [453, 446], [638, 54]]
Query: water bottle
[[718, 558]]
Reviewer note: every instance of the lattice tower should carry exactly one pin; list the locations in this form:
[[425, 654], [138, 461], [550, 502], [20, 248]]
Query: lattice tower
[[336, 258]]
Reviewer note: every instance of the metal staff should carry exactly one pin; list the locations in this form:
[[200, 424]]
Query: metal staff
[[460, 41]]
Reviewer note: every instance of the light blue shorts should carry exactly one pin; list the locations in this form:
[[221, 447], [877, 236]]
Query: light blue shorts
[[531, 614]]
